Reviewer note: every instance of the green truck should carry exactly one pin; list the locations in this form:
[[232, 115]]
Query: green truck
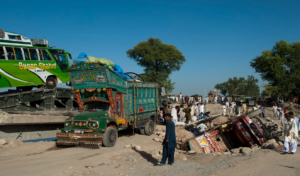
[[108, 103]]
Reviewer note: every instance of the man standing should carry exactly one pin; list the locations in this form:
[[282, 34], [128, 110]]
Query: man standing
[[174, 115], [290, 135], [204, 108], [169, 143], [201, 108], [196, 98], [224, 109], [206, 99], [186, 99], [296, 120], [274, 109], [187, 112], [216, 98], [262, 108], [180, 97], [244, 106], [280, 115]]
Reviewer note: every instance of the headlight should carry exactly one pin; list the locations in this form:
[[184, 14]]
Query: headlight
[[67, 131], [67, 124], [94, 124]]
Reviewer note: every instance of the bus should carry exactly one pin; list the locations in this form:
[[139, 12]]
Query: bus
[[26, 63]]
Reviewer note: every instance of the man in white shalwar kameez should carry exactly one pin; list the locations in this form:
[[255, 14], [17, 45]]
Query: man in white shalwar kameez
[[216, 99], [280, 115], [274, 109], [227, 104], [224, 109], [290, 135], [174, 115], [196, 110], [201, 108]]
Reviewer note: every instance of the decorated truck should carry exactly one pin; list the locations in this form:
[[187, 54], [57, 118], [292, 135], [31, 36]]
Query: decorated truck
[[108, 103]]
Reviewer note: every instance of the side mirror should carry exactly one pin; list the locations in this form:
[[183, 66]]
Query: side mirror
[[70, 56]]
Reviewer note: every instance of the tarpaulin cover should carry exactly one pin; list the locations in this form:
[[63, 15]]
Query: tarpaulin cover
[[102, 61], [81, 58], [120, 72]]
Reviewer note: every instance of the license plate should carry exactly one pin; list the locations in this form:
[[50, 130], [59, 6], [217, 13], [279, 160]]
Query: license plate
[[77, 131]]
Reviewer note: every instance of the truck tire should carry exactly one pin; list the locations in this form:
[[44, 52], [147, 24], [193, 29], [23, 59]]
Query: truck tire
[[149, 128], [50, 83], [110, 137], [142, 131]]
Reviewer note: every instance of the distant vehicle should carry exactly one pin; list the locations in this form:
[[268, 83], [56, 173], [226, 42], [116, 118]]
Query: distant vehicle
[[26, 63]]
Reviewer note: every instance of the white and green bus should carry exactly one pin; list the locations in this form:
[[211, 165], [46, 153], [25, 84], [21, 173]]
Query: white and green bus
[[26, 63]]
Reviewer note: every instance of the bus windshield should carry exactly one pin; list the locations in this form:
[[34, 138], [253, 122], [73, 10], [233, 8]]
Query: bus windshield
[[60, 58], [97, 106]]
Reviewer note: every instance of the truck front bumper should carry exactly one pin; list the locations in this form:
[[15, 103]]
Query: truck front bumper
[[83, 140]]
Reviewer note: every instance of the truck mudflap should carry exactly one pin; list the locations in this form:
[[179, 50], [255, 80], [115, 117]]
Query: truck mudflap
[[81, 140]]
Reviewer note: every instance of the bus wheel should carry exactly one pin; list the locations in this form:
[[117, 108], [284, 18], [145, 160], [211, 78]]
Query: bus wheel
[[149, 128], [110, 137], [50, 83]]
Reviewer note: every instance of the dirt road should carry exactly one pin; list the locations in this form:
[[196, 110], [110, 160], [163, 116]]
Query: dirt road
[[41, 159]]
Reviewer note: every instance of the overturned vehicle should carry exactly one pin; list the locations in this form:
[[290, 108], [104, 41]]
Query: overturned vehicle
[[242, 131]]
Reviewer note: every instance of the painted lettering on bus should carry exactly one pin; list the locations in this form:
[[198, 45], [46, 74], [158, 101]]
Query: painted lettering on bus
[[34, 66]]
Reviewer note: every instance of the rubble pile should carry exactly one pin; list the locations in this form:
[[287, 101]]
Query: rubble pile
[[182, 135]]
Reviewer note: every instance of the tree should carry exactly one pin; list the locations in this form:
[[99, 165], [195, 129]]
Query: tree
[[222, 87], [158, 59], [280, 67], [264, 93], [239, 86]]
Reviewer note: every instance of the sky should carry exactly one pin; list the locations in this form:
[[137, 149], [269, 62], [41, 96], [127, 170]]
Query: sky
[[218, 39]]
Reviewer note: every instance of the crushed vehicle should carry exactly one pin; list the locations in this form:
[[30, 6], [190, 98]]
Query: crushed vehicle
[[109, 103], [240, 131]]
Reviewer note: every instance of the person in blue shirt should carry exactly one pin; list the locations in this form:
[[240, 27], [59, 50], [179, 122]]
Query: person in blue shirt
[[169, 143], [202, 116]]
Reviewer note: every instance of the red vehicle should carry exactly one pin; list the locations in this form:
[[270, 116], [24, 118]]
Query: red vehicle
[[239, 132]]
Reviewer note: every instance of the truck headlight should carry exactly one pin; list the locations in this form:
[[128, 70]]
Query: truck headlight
[[67, 124], [94, 124]]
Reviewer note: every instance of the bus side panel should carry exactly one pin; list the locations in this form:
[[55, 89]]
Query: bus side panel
[[4, 82]]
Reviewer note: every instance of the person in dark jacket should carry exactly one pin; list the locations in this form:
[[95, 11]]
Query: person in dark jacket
[[169, 143]]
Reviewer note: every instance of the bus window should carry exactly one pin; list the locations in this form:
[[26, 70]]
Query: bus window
[[45, 55], [19, 54], [33, 54], [27, 54], [2, 53], [54, 54], [10, 53]]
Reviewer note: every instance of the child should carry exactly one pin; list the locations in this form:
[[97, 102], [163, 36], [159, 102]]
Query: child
[[290, 135]]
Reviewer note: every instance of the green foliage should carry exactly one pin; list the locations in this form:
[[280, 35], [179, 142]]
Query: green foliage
[[158, 59], [195, 95], [264, 93], [280, 67], [239, 86]]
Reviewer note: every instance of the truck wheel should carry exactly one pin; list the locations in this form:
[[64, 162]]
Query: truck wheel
[[142, 131], [110, 137], [50, 83], [149, 128]]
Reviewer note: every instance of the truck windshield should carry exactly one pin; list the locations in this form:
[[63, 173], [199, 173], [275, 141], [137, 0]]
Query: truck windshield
[[97, 106]]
